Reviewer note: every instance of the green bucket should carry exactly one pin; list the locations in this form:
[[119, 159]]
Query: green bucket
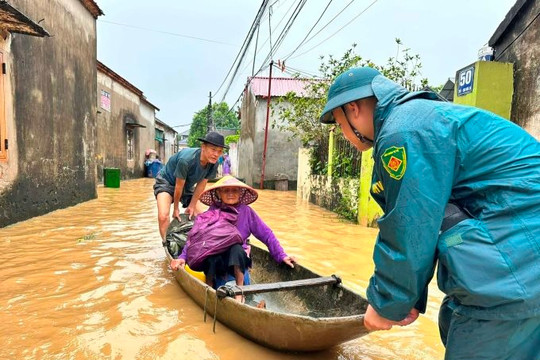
[[111, 177]]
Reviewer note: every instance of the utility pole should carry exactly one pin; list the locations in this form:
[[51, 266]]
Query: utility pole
[[209, 118], [261, 186]]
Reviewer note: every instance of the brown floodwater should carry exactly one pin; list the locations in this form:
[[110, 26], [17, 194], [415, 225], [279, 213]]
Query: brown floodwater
[[91, 282]]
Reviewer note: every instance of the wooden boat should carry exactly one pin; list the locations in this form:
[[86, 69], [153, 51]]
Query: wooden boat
[[304, 311]]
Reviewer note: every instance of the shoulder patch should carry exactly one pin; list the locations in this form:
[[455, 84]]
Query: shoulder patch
[[394, 160]]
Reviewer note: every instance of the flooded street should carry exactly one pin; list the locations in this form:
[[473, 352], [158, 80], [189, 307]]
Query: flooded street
[[90, 282]]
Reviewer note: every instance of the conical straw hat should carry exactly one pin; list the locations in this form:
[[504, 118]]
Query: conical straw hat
[[247, 196]]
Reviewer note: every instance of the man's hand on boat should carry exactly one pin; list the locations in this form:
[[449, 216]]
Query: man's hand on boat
[[191, 211], [176, 214], [373, 321], [177, 264], [289, 260]]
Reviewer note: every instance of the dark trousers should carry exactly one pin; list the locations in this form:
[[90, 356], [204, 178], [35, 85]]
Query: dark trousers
[[221, 265], [467, 338]]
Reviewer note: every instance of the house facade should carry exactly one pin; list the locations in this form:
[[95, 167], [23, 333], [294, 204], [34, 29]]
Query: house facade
[[125, 125], [281, 150], [166, 143], [47, 106]]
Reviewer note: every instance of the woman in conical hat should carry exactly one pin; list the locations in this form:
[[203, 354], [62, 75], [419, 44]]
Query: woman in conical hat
[[229, 191]]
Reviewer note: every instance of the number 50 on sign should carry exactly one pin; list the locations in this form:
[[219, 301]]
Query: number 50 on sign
[[465, 80]]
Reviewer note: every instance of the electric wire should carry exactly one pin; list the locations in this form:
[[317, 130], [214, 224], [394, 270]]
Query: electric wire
[[301, 72], [310, 30], [341, 28], [267, 39], [245, 45], [275, 46], [285, 30], [166, 32], [247, 84], [239, 63], [326, 25]]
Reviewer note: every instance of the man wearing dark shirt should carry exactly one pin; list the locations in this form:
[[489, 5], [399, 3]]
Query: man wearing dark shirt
[[184, 177]]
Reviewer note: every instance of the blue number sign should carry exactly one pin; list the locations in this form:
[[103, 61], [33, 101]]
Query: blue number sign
[[465, 80]]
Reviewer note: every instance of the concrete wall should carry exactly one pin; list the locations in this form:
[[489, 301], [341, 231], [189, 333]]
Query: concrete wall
[[146, 135], [281, 151], [335, 194], [344, 196], [111, 149], [247, 138], [520, 45], [170, 148], [303, 181], [51, 107], [492, 88]]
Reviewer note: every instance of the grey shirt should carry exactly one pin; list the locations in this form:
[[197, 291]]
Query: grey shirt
[[186, 164]]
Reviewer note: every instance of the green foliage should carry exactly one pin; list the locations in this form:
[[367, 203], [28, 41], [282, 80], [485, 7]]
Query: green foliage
[[344, 207], [222, 118], [231, 139], [300, 115], [317, 166], [332, 196], [343, 165]]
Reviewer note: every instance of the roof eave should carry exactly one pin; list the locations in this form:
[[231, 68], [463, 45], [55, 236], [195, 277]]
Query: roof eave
[[508, 19], [16, 22], [92, 7]]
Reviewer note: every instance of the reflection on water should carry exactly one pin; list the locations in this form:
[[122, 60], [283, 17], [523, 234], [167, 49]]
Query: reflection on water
[[90, 282]]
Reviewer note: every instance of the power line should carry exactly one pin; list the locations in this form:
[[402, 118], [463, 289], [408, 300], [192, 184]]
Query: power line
[[299, 71], [167, 32], [328, 23], [265, 41], [285, 30], [310, 30], [278, 43], [243, 49], [341, 28], [247, 84]]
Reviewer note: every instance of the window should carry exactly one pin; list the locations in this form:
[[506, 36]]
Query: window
[[130, 144], [3, 128]]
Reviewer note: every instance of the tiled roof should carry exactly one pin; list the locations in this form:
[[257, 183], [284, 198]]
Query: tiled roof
[[279, 87]]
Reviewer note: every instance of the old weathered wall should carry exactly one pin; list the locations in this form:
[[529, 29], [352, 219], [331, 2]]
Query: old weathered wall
[[53, 84], [111, 150], [281, 150], [247, 138], [147, 135], [519, 45]]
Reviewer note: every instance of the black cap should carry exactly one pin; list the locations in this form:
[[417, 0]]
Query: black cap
[[215, 139]]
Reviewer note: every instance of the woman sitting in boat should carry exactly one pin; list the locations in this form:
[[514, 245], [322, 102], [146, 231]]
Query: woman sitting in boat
[[235, 261]]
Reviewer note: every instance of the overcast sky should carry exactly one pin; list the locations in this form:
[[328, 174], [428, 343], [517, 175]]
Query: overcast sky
[[177, 51]]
